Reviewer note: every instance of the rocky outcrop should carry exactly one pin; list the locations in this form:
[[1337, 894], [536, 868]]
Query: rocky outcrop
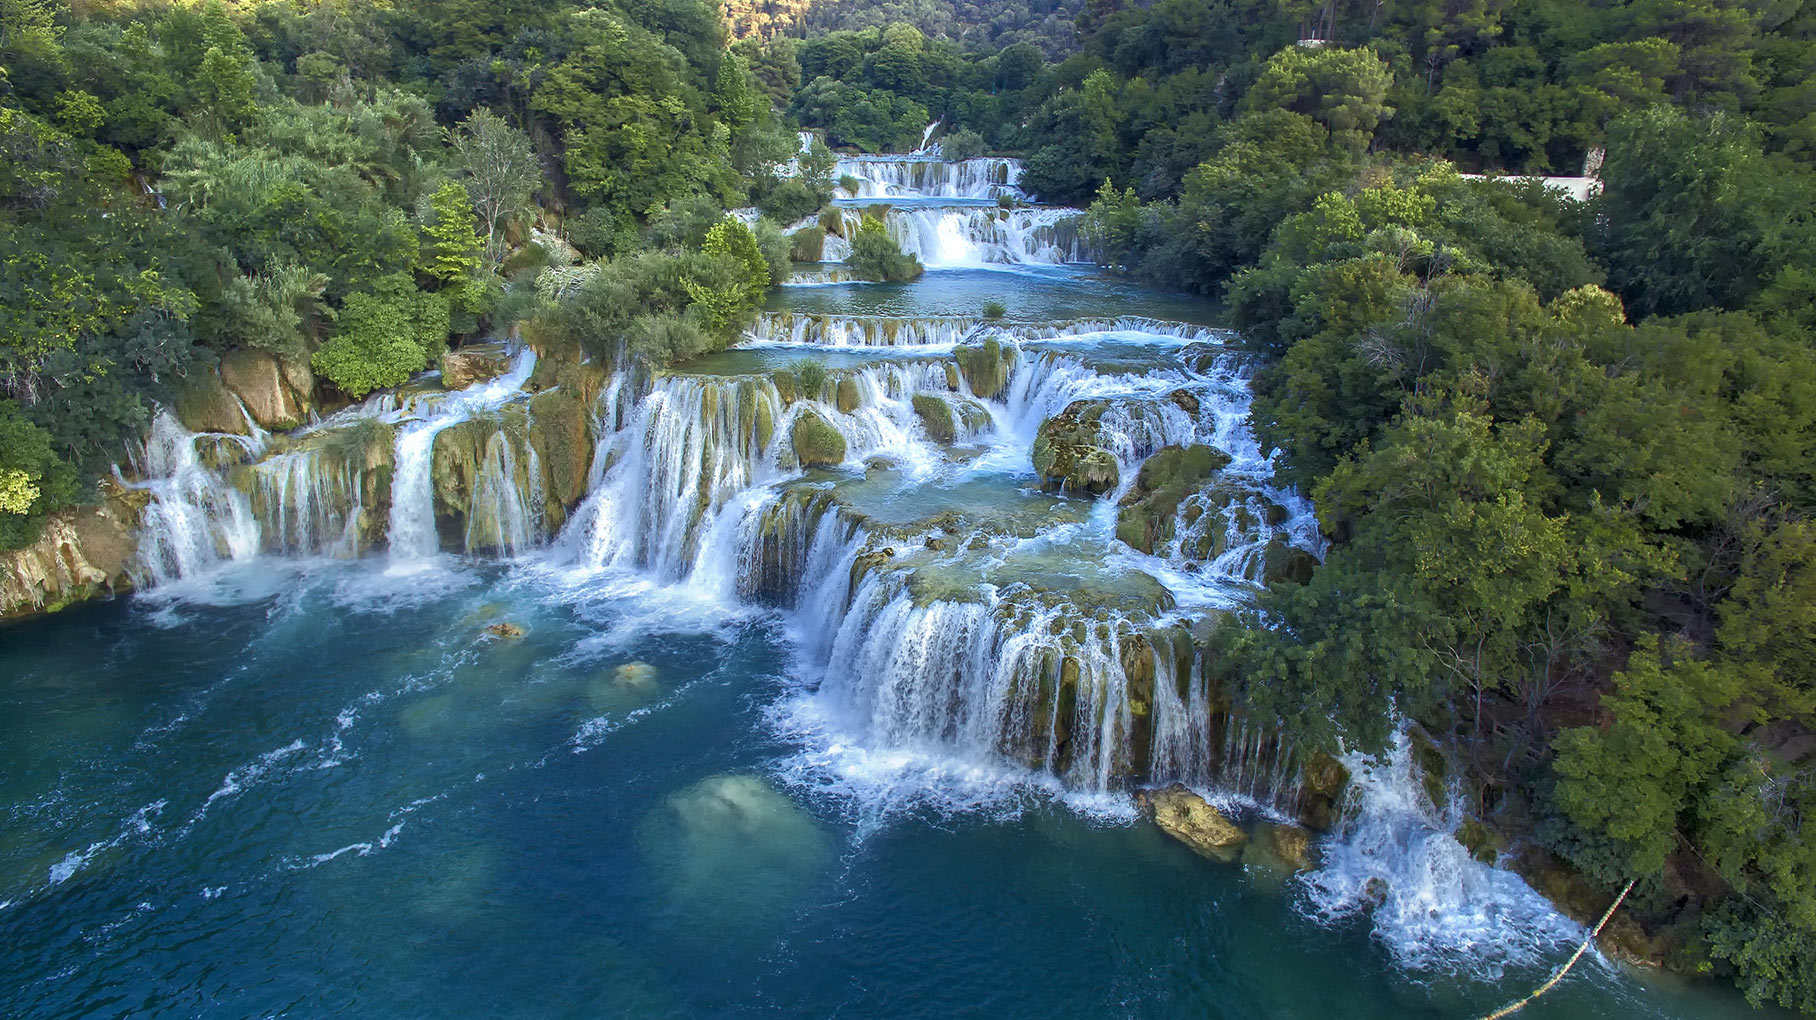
[[1188, 818], [82, 553], [204, 404], [1286, 563], [277, 392], [816, 443], [468, 365], [946, 419], [1147, 516], [1071, 453]]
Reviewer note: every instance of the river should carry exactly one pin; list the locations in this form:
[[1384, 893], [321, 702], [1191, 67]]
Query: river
[[745, 730]]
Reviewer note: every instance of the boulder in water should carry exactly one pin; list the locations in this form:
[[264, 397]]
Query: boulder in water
[[469, 365], [505, 631], [1188, 818], [847, 394], [936, 417], [1147, 516], [816, 443], [1070, 452]]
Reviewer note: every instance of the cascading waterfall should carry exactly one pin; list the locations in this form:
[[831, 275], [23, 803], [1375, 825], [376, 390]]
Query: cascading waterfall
[[1396, 860], [971, 236], [985, 177], [860, 331], [195, 519], [412, 535]]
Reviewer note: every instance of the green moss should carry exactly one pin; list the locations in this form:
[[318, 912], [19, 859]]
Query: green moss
[[936, 417], [816, 443]]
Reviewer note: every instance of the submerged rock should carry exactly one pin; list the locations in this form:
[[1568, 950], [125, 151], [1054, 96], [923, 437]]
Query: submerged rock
[[1147, 516], [505, 631], [1188, 818], [1071, 453], [816, 443], [635, 676]]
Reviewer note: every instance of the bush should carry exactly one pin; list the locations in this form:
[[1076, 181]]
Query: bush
[[807, 244], [962, 144], [598, 234], [791, 200], [994, 310], [812, 377], [876, 256], [850, 184], [777, 249], [33, 479], [385, 336]]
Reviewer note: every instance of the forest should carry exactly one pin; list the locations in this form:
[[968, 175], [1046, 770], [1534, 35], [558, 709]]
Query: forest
[[1565, 453]]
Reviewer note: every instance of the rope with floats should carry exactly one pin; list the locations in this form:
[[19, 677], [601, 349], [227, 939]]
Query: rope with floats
[[1514, 1007]]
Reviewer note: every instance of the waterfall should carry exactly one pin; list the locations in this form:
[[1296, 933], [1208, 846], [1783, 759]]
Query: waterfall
[[1396, 861], [970, 236], [412, 535], [194, 519], [799, 328], [927, 176]]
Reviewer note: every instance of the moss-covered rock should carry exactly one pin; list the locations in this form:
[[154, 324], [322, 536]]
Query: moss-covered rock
[[563, 442], [1147, 516], [1188, 818], [788, 388], [936, 417], [984, 365], [847, 395], [1071, 452], [816, 443], [1282, 562], [1322, 781]]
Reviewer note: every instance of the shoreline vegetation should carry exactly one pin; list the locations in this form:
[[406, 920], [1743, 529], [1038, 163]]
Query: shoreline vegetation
[[1564, 452]]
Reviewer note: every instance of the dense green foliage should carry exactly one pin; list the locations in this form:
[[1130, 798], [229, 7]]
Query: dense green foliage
[[349, 187]]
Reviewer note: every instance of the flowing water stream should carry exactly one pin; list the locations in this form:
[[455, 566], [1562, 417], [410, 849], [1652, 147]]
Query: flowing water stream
[[815, 700]]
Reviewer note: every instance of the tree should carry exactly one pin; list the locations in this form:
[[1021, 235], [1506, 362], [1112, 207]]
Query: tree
[[1345, 90], [500, 172], [33, 479], [730, 238], [451, 249], [1632, 783]]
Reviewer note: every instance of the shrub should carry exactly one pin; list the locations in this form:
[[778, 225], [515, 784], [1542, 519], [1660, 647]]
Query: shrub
[[33, 479], [812, 377], [876, 256], [791, 200], [994, 310], [385, 336], [962, 144], [807, 244]]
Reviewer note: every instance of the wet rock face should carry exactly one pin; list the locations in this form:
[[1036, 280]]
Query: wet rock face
[[563, 443], [816, 443], [1286, 563], [1071, 452], [1188, 818], [1147, 515], [464, 367], [267, 387], [204, 404]]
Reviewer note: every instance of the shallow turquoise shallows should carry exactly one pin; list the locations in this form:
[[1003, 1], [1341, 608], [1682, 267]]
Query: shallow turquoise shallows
[[323, 791]]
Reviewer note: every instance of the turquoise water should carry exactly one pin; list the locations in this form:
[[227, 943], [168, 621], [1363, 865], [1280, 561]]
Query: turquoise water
[[317, 790], [312, 789]]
